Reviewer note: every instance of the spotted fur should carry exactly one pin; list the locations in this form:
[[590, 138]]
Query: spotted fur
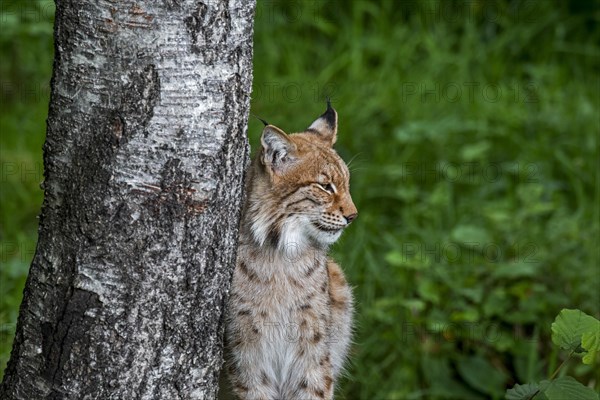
[[290, 311]]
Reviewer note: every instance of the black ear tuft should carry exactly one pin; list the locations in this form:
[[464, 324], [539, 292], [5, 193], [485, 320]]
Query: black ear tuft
[[265, 123], [278, 151], [326, 125], [330, 115]]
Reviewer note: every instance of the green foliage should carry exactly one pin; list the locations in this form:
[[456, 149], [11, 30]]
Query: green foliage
[[590, 342], [25, 68], [527, 391], [568, 330], [568, 388], [478, 217], [570, 325], [481, 375], [472, 130]]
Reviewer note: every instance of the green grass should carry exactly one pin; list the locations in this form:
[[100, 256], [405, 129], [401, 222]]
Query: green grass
[[474, 132], [473, 129], [25, 68]]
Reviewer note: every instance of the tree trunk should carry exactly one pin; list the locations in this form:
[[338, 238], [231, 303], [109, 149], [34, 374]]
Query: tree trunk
[[145, 156]]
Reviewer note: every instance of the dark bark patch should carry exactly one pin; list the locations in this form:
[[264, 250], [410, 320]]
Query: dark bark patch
[[175, 198], [72, 327], [194, 25], [209, 26], [172, 5], [139, 99]]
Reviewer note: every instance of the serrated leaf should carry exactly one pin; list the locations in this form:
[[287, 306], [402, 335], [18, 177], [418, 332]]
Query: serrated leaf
[[590, 341], [522, 392], [568, 327], [568, 388], [527, 391]]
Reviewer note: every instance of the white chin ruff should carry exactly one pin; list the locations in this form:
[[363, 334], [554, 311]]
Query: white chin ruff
[[297, 233], [324, 237]]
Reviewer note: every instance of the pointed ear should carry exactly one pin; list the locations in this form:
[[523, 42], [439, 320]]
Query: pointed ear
[[326, 125], [278, 151]]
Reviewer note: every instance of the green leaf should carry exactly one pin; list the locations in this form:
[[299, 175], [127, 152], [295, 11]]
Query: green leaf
[[407, 193], [475, 151], [414, 304], [590, 341], [520, 269], [568, 327], [441, 383], [527, 391], [407, 260], [568, 388], [429, 290], [469, 314], [470, 236], [480, 374]]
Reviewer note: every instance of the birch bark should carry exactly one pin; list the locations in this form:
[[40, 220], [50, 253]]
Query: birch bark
[[144, 163]]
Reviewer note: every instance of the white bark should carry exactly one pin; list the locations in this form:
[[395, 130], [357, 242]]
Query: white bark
[[145, 156]]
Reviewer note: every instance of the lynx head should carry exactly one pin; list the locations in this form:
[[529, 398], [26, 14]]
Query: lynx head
[[300, 189]]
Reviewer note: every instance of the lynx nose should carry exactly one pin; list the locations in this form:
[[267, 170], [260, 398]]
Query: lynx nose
[[351, 217]]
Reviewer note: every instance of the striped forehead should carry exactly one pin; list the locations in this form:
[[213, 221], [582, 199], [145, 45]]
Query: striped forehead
[[321, 159], [333, 167]]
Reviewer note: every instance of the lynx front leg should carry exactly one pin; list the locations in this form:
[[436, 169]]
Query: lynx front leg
[[249, 382], [316, 382], [311, 376], [247, 346]]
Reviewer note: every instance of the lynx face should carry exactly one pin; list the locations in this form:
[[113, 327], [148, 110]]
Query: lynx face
[[301, 192]]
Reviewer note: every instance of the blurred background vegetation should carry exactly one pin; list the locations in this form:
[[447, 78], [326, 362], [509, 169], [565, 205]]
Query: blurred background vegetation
[[473, 131]]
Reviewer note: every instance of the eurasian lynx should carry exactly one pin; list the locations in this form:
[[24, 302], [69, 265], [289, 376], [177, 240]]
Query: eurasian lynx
[[290, 311]]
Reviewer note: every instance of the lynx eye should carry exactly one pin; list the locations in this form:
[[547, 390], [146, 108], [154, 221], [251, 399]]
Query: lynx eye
[[328, 187]]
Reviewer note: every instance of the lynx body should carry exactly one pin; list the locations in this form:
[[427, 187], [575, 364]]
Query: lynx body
[[289, 317]]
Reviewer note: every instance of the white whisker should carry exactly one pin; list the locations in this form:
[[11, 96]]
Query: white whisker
[[352, 159]]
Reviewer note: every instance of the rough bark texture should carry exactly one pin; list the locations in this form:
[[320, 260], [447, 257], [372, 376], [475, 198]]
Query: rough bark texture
[[145, 154]]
